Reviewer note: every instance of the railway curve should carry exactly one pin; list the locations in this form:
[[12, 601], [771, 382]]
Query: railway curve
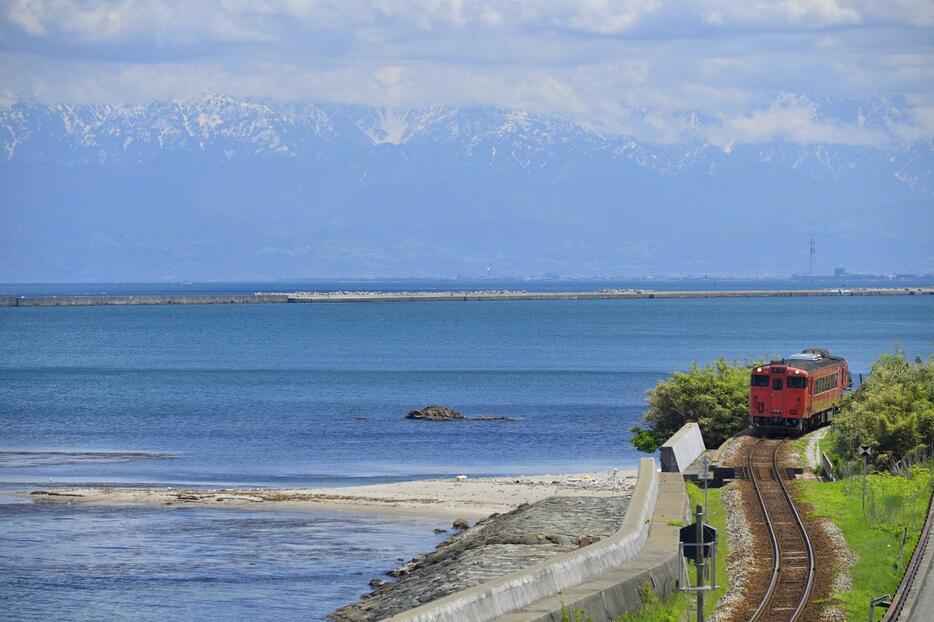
[[792, 577]]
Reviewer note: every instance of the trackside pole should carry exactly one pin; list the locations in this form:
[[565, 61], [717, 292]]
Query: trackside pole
[[699, 561]]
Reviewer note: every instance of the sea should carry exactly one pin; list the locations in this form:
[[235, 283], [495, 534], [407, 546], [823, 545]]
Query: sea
[[288, 395]]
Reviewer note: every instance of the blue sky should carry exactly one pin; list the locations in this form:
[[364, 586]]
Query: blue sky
[[637, 67]]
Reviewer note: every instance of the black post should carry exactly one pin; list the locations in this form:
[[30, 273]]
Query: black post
[[699, 562]]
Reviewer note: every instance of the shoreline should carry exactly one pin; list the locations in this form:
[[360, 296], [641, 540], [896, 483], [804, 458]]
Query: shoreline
[[467, 499], [448, 296]]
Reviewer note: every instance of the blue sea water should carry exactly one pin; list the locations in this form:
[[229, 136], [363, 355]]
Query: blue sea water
[[270, 395]]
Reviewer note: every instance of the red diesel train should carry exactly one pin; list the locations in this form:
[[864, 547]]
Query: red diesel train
[[797, 393]]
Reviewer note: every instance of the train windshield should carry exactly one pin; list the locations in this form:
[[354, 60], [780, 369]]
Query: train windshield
[[797, 382], [760, 380]]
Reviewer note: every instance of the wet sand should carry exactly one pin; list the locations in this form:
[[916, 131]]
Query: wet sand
[[468, 498]]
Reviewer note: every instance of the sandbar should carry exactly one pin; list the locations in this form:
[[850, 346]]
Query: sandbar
[[470, 498]]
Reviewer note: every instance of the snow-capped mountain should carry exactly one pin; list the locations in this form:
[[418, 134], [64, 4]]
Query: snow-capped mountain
[[216, 188]]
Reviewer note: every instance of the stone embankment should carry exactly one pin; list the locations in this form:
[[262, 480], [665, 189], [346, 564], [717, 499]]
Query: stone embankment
[[523, 565], [494, 547], [498, 295]]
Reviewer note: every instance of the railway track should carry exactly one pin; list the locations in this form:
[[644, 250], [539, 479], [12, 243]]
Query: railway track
[[792, 553]]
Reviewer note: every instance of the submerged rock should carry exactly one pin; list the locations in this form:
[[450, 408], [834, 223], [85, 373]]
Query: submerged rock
[[435, 413], [489, 418]]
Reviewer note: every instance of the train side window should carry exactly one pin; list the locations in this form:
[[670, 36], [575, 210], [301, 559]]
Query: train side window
[[760, 380], [777, 384], [797, 382]]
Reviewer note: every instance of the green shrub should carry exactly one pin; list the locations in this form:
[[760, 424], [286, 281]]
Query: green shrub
[[892, 412], [715, 396]]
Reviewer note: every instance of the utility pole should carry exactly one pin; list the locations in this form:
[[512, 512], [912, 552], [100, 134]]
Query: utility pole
[[699, 562], [812, 264]]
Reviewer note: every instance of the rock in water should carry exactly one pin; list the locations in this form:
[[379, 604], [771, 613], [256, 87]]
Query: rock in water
[[435, 413]]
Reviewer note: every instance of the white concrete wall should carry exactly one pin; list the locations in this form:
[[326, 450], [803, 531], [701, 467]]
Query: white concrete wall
[[684, 447], [500, 596]]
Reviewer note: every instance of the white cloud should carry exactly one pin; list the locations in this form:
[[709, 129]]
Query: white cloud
[[637, 66], [794, 119]]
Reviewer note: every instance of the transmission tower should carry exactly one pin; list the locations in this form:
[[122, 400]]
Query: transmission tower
[[812, 264]]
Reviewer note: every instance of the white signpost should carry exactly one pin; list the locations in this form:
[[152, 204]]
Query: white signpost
[[865, 451], [706, 475]]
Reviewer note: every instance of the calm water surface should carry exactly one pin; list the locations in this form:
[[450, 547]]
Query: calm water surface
[[271, 394]]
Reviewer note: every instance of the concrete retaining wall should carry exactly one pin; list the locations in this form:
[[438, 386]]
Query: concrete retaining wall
[[618, 591], [514, 591], [683, 448]]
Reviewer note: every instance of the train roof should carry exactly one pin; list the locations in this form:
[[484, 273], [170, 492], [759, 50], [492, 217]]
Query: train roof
[[810, 365]]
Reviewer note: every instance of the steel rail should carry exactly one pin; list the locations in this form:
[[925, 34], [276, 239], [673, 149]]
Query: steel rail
[[776, 549], [804, 534]]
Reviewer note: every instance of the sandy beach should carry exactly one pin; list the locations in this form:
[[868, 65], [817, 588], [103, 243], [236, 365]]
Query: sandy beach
[[470, 498]]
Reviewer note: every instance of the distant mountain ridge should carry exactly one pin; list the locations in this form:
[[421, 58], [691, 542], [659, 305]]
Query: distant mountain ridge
[[216, 188]]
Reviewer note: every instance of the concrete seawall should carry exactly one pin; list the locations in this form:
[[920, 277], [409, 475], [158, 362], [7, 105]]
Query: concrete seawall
[[501, 596], [684, 447], [453, 296], [609, 595], [170, 299]]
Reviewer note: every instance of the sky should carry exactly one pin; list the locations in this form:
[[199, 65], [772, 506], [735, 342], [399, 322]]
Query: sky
[[750, 70]]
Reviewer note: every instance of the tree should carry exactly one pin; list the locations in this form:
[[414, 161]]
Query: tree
[[892, 412], [715, 396]]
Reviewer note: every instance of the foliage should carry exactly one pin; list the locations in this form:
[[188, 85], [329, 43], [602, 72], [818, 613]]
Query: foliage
[[892, 502], [715, 396], [577, 615], [892, 412], [655, 609]]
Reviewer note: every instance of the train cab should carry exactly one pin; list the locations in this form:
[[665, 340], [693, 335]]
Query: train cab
[[799, 392]]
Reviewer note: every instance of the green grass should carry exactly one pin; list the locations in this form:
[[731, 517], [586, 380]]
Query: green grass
[[874, 535], [655, 609], [673, 607], [716, 518]]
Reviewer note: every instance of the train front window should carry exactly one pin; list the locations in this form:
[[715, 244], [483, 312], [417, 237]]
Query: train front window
[[776, 384], [760, 380], [797, 382]]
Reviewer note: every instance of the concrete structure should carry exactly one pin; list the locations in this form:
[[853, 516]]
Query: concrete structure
[[166, 299], [453, 296], [914, 600], [512, 592], [617, 591], [683, 448]]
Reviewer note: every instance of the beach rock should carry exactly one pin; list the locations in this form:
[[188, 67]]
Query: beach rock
[[460, 523], [489, 418], [439, 530], [435, 413], [377, 583]]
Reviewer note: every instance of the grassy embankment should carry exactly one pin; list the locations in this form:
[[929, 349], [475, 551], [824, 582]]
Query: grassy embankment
[[892, 502], [675, 606]]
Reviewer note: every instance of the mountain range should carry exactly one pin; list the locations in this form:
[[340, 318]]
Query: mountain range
[[215, 188]]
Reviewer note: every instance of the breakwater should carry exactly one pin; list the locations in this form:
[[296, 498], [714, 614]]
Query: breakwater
[[448, 296]]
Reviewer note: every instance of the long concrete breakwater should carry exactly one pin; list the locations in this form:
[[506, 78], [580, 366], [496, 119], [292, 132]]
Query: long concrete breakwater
[[448, 296]]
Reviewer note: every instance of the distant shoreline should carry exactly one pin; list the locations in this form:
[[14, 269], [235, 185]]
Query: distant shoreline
[[448, 296]]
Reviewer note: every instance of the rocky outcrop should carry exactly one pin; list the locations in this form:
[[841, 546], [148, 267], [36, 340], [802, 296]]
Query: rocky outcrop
[[435, 413]]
